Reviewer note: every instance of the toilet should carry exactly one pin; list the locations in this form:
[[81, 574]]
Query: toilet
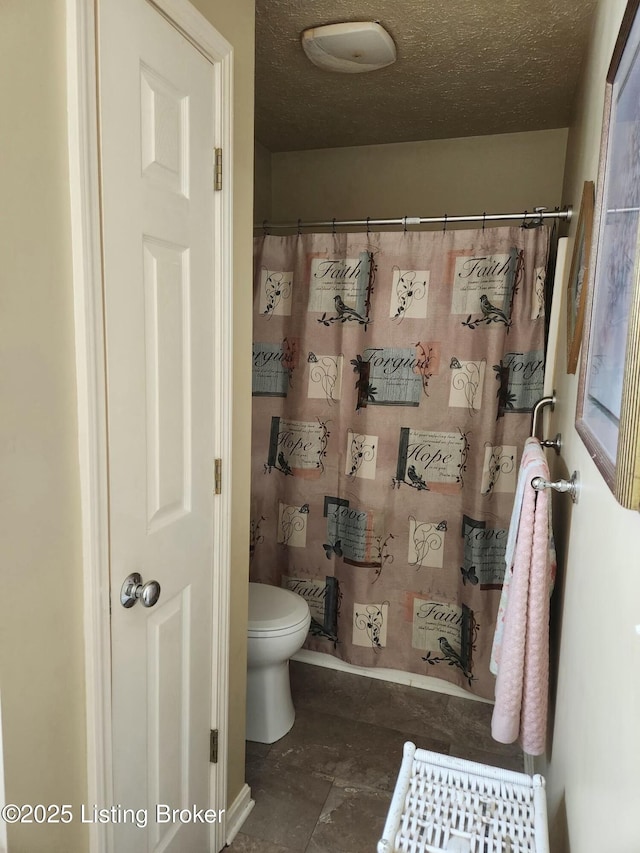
[[278, 624]]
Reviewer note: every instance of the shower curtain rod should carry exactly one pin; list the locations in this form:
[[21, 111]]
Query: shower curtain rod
[[529, 219]]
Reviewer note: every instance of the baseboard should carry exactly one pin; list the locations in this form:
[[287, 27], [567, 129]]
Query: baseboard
[[238, 812], [396, 676]]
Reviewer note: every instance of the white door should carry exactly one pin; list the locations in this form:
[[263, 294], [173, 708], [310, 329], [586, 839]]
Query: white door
[[157, 116]]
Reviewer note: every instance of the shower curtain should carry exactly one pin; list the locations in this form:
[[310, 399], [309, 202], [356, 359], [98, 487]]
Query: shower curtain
[[393, 379]]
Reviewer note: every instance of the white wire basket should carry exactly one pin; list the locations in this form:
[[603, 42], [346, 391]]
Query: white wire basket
[[448, 805]]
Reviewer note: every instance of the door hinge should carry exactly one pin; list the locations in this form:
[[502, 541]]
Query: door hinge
[[217, 477], [217, 177], [213, 746]]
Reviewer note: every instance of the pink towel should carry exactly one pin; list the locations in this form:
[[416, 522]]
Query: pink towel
[[528, 467], [523, 675]]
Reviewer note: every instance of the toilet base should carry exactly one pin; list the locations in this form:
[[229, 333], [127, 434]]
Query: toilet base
[[270, 711]]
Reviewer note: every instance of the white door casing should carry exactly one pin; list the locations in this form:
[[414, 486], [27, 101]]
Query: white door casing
[[161, 330]]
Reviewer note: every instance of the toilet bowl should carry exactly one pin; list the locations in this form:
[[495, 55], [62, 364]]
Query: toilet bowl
[[278, 624]]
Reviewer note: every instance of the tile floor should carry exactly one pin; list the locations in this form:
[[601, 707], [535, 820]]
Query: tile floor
[[326, 786]]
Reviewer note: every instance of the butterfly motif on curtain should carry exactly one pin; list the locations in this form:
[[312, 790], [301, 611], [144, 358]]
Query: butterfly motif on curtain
[[333, 548], [455, 364], [469, 575], [312, 358], [442, 526], [304, 509]]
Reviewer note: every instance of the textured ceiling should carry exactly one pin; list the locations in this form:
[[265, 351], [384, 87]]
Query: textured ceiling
[[464, 68]]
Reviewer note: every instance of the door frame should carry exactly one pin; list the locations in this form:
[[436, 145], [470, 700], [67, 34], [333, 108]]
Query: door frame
[[86, 245]]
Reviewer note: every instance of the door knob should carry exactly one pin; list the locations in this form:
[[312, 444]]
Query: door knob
[[133, 590]]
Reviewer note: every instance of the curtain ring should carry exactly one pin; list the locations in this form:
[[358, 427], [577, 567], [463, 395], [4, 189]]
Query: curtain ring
[[484, 218], [368, 231], [333, 225], [524, 220], [299, 231], [444, 227], [405, 225], [265, 230]]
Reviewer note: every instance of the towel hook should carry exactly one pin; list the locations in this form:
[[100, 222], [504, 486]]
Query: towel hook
[[571, 486]]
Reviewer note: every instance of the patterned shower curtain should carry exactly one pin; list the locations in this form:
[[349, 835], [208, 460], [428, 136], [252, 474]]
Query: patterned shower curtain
[[393, 379]]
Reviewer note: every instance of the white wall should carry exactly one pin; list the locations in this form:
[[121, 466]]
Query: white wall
[[41, 643], [593, 771], [500, 174], [261, 184]]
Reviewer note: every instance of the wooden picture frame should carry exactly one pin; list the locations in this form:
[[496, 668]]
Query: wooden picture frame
[[608, 410], [578, 276]]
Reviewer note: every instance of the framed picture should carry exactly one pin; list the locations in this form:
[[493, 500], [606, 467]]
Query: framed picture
[[608, 411], [576, 287]]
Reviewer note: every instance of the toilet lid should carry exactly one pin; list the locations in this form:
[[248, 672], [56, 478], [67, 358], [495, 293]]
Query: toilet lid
[[272, 608]]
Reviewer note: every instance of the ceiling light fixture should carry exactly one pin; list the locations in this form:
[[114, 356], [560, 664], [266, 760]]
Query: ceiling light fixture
[[350, 48]]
